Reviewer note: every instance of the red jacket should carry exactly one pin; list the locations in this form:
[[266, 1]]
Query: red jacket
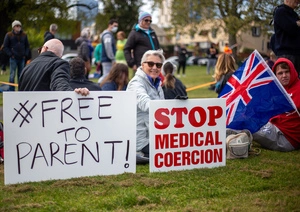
[[289, 123]]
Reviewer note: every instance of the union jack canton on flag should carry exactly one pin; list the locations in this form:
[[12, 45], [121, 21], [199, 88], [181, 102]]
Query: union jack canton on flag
[[254, 95]]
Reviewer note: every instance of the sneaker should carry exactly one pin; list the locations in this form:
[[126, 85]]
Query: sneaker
[[141, 158], [178, 75]]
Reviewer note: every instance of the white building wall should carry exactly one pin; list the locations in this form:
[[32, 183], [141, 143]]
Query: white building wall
[[164, 14], [244, 40]]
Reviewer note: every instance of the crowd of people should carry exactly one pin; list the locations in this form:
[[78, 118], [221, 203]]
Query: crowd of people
[[154, 79]]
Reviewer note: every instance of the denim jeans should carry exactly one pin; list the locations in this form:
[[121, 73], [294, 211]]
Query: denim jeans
[[13, 65], [211, 63]]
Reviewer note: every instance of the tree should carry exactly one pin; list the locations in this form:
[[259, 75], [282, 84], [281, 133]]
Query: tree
[[236, 14], [125, 11], [36, 17]]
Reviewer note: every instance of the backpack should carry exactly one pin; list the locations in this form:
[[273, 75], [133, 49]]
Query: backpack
[[238, 145]]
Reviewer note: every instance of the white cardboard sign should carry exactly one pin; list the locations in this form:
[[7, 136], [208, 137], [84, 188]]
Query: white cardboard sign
[[60, 135], [187, 134]]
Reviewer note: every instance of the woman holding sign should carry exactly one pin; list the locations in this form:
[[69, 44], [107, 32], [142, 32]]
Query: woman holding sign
[[147, 85]]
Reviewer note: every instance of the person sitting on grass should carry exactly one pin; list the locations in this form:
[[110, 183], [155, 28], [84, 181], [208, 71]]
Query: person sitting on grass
[[282, 132], [173, 88], [78, 75], [117, 79], [147, 85]]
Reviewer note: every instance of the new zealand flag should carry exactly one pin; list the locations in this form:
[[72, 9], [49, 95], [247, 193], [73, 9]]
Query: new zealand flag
[[254, 95]]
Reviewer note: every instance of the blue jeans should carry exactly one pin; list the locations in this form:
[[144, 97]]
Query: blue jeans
[[13, 65], [211, 63]]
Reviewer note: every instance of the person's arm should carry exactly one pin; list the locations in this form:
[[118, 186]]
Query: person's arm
[[82, 91], [60, 78], [143, 99], [129, 46], [6, 45], [108, 47], [156, 42], [27, 47], [286, 22]]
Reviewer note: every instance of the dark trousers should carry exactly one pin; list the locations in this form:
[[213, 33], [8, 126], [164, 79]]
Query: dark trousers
[[145, 150], [181, 64]]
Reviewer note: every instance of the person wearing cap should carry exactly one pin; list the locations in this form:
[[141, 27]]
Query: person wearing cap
[[16, 46], [51, 33], [141, 39]]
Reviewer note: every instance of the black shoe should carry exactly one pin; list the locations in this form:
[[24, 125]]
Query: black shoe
[[141, 158]]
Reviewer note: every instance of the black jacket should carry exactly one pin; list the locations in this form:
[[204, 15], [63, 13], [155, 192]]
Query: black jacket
[[82, 82], [182, 55], [286, 40], [140, 42], [47, 72], [16, 45], [48, 36], [179, 90]]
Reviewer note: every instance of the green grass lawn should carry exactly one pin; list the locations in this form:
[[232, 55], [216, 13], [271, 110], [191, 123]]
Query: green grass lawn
[[267, 182]]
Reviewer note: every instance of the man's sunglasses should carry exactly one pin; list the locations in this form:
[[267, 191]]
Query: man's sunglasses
[[148, 20], [151, 64]]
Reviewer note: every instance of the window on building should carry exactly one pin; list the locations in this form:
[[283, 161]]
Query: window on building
[[203, 33], [177, 36], [256, 31]]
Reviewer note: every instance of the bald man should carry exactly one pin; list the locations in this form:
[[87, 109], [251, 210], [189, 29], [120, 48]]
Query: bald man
[[48, 72]]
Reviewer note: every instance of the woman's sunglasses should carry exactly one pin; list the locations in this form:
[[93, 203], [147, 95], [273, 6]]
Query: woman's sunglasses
[[148, 20], [151, 64]]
